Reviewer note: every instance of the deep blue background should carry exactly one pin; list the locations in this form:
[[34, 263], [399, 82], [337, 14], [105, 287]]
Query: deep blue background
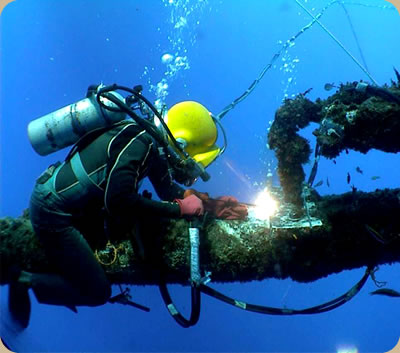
[[52, 50]]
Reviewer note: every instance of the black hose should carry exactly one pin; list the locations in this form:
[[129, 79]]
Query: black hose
[[124, 107], [178, 317], [330, 305], [373, 90], [383, 93], [105, 92]]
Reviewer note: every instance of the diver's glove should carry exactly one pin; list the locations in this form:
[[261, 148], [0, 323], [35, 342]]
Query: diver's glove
[[203, 196], [190, 206], [226, 207]]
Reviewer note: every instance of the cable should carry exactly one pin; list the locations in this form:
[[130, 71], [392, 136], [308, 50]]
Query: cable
[[354, 35], [338, 42], [272, 61], [289, 42]]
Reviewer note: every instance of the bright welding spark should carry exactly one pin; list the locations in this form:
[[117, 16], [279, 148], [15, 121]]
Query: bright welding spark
[[266, 206]]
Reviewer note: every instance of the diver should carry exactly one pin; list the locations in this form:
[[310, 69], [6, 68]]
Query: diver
[[103, 176]]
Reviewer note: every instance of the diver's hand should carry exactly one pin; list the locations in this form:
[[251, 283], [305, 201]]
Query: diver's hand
[[203, 196], [190, 206]]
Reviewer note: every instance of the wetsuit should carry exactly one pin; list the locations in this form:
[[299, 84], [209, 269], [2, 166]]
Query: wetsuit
[[114, 164]]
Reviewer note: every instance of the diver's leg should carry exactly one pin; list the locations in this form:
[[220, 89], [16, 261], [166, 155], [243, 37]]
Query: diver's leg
[[19, 303], [81, 279], [78, 278]]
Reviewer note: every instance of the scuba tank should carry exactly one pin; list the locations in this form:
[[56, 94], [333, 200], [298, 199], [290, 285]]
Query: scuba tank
[[102, 108], [65, 126]]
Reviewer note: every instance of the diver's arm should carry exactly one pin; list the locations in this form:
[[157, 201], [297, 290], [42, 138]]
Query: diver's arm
[[128, 162], [164, 186]]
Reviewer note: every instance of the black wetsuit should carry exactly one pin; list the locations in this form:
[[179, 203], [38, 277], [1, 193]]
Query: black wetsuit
[[116, 162]]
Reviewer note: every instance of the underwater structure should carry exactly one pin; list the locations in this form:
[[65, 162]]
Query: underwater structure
[[308, 238], [357, 117], [343, 232]]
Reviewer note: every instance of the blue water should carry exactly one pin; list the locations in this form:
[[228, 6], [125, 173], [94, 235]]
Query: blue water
[[52, 50]]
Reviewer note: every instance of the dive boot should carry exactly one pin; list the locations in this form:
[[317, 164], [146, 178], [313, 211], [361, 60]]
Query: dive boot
[[19, 302]]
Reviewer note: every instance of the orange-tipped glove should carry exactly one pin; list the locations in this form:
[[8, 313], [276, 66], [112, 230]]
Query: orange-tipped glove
[[226, 207], [203, 196], [190, 206]]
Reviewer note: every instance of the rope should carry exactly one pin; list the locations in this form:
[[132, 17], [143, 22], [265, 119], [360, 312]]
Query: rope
[[103, 253]]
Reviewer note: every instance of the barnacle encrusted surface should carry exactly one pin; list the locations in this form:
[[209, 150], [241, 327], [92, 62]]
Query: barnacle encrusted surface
[[348, 120]]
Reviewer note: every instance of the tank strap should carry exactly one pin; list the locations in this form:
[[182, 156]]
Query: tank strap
[[83, 177]]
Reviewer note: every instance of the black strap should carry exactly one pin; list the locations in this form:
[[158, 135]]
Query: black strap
[[89, 137]]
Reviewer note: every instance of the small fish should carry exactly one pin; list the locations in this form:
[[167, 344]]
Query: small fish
[[327, 183], [386, 291], [358, 170], [319, 183], [334, 161], [329, 86], [348, 178], [375, 177]]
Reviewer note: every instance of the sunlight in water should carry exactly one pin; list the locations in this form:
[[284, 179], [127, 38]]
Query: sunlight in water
[[347, 349]]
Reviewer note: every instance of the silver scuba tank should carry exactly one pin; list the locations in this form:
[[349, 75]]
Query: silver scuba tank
[[65, 126]]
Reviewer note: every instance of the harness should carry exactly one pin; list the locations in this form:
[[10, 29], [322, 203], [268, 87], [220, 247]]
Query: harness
[[83, 177], [86, 183]]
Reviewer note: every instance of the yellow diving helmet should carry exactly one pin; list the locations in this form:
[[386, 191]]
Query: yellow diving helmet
[[193, 126]]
